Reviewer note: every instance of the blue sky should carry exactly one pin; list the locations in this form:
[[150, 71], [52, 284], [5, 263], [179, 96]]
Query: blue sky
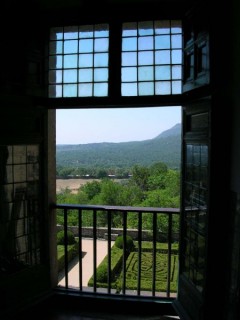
[[75, 126]]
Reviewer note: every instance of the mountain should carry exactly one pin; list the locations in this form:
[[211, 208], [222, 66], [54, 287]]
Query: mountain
[[166, 147], [174, 131]]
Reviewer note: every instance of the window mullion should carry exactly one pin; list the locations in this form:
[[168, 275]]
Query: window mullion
[[115, 49]]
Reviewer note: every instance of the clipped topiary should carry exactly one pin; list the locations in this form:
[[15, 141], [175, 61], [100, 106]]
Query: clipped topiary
[[129, 242], [102, 274], [70, 237]]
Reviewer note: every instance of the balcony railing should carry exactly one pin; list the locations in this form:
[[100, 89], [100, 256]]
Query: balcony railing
[[148, 269]]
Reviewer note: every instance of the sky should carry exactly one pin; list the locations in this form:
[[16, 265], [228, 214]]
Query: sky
[[75, 126]]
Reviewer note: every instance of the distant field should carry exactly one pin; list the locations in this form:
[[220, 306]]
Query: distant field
[[72, 184]]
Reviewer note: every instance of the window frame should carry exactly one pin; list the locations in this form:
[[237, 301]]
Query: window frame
[[114, 98]]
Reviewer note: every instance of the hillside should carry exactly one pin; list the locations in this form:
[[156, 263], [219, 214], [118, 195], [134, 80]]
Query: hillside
[[166, 148]]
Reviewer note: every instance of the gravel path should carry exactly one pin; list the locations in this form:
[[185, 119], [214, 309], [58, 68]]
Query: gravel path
[[87, 263]]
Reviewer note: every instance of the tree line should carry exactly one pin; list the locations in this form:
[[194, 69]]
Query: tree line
[[153, 186]]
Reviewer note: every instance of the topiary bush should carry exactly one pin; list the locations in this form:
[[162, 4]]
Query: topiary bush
[[70, 237], [129, 243], [102, 274]]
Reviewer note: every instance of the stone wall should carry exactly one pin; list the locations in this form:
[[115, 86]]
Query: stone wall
[[102, 233]]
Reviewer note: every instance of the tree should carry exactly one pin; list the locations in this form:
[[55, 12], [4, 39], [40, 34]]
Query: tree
[[91, 189], [140, 177]]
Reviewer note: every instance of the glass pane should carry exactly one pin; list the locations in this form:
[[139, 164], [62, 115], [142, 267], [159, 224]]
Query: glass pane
[[101, 60], [58, 90], [71, 32], [162, 57], [86, 31], [85, 75], [204, 155], [32, 153], [100, 74], [162, 73], [145, 73], [9, 175], [129, 89], [176, 41], [145, 28], [163, 87], [70, 61], [129, 74], [85, 90], [101, 45], [101, 30], [176, 56], [8, 192], [85, 60], [100, 89], [176, 87], [86, 45], [129, 44], [70, 46], [176, 72], [146, 88], [129, 59], [162, 27], [19, 154], [19, 172], [69, 90], [176, 26], [162, 42], [145, 43], [32, 171], [70, 76], [196, 155], [189, 153], [129, 29], [145, 58]]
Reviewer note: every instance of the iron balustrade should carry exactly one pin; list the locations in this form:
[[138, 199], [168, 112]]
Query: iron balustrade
[[169, 238]]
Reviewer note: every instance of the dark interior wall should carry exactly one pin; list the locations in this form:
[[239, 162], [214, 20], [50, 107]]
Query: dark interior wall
[[235, 155], [24, 259], [22, 60], [24, 123], [233, 294]]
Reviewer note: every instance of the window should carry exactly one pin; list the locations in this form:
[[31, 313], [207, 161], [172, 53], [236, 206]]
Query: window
[[19, 188], [78, 61], [151, 59], [115, 60]]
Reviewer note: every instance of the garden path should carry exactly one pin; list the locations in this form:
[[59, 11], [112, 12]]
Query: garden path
[[87, 263]]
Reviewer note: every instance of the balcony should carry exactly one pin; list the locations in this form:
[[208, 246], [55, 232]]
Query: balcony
[[147, 272]]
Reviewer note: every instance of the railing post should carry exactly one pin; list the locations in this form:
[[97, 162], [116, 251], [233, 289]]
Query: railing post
[[154, 253], [80, 247], [94, 250], [169, 253], [65, 247], [139, 252], [109, 249]]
